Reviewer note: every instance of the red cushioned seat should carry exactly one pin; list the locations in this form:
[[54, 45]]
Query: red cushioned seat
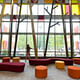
[[39, 61], [49, 61], [76, 60], [14, 67]]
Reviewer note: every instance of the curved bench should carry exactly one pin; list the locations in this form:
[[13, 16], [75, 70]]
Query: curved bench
[[67, 61], [14, 67], [39, 61], [74, 72], [76, 60], [49, 61]]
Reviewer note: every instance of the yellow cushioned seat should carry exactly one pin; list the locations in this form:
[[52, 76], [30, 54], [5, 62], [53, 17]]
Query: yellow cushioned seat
[[60, 64], [16, 59]]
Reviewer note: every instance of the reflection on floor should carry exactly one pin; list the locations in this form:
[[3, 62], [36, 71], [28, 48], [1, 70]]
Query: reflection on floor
[[29, 73]]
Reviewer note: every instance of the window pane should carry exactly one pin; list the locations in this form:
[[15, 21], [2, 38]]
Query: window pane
[[41, 9], [21, 45], [5, 45], [60, 42], [5, 26], [35, 9], [24, 10], [7, 9], [40, 27], [22, 27], [75, 9], [0, 8], [76, 28]]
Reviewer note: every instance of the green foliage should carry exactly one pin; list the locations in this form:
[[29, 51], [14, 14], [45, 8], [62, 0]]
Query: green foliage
[[30, 41], [51, 42], [60, 41], [1, 1], [21, 42], [41, 45], [5, 52]]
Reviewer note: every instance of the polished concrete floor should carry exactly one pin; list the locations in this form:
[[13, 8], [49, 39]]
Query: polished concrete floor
[[29, 74]]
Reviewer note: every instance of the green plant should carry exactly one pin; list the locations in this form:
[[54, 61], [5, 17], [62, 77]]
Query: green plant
[[5, 52]]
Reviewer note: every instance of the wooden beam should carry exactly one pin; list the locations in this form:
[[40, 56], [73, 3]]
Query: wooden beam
[[10, 31], [71, 27], [64, 29], [33, 31], [79, 20], [17, 30], [79, 6], [49, 29], [2, 13]]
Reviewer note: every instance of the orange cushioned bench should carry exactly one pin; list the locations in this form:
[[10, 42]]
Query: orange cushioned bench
[[74, 72], [6, 59]]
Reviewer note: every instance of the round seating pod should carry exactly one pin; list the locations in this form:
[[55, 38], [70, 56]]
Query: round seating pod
[[41, 71], [74, 72], [6, 59], [16, 59], [60, 64]]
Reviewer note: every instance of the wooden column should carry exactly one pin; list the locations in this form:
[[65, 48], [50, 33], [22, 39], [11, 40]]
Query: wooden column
[[10, 31], [17, 30], [1, 16], [33, 31], [64, 29], [71, 27], [49, 29], [79, 6], [79, 20]]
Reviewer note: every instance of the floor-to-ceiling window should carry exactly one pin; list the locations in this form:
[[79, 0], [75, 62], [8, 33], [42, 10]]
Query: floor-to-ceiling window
[[56, 43]]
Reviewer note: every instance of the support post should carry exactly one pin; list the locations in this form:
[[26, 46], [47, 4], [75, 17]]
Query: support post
[[33, 32], [79, 6], [49, 29], [64, 29], [1, 16], [16, 36], [71, 27], [10, 30], [79, 20]]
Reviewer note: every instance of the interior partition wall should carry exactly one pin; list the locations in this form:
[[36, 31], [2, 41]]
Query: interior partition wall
[[56, 43]]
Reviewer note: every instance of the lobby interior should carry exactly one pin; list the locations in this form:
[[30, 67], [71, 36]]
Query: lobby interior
[[52, 30]]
